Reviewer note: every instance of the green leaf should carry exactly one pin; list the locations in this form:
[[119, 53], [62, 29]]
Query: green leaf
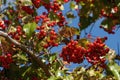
[[26, 71], [72, 5], [53, 57], [27, 2], [53, 16], [85, 22], [115, 69], [56, 65], [29, 28], [22, 57]]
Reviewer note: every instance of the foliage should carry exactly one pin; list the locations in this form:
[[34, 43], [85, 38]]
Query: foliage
[[27, 40]]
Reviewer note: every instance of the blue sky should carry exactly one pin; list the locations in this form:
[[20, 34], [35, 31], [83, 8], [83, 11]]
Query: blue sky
[[112, 42]]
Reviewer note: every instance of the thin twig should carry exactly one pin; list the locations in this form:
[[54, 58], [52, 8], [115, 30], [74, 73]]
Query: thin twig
[[117, 57], [91, 27]]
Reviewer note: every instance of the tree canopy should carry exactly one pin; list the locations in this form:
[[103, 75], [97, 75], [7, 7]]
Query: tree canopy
[[28, 38]]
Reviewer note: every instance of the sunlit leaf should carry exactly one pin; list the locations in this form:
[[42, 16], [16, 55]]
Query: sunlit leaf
[[115, 69], [73, 5], [22, 57], [61, 7], [29, 29]]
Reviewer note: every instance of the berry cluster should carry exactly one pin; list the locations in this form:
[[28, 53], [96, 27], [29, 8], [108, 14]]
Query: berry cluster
[[2, 25], [111, 16], [7, 22], [42, 33], [6, 60], [110, 31], [46, 30], [73, 52], [96, 52], [62, 20], [43, 18], [52, 40], [17, 34], [36, 3], [27, 9], [51, 6], [55, 6]]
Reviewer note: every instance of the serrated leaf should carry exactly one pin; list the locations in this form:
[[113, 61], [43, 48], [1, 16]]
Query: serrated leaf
[[69, 31], [29, 28]]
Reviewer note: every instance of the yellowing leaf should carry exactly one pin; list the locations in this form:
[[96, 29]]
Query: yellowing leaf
[[68, 31], [83, 42]]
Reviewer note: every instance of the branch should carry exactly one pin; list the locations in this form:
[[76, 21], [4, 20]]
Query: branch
[[117, 57], [29, 52]]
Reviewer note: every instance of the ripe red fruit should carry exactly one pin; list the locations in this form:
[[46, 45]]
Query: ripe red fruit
[[17, 37], [55, 44], [36, 3], [96, 52], [27, 9], [46, 46], [2, 25], [19, 28], [73, 52], [6, 60], [66, 1]]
